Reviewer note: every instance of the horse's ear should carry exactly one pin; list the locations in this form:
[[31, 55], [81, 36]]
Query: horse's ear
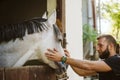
[[44, 15], [52, 18]]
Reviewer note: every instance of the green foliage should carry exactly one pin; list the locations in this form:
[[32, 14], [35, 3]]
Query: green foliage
[[89, 34], [111, 11]]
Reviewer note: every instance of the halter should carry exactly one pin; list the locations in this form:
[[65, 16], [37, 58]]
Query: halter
[[62, 76]]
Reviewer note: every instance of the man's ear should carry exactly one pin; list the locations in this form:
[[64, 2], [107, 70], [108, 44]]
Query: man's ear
[[111, 46]]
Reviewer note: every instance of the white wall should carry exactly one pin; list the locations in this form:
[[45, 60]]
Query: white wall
[[74, 33]]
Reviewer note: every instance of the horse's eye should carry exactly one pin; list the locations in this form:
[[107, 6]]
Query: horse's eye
[[60, 40]]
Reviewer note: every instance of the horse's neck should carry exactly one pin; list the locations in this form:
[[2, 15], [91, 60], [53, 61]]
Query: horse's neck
[[15, 51]]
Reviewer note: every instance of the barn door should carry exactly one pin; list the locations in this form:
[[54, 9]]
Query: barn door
[[14, 11], [61, 19], [59, 5]]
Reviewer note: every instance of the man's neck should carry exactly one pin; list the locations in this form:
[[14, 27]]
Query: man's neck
[[112, 53]]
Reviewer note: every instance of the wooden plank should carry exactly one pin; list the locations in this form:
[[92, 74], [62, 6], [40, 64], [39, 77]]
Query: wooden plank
[[41, 73], [61, 17], [30, 73], [1, 73], [21, 73]]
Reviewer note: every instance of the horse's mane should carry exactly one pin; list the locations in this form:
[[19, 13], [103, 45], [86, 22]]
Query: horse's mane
[[12, 31]]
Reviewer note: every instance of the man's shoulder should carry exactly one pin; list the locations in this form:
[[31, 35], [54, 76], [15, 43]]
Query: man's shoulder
[[113, 59], [116, 56]]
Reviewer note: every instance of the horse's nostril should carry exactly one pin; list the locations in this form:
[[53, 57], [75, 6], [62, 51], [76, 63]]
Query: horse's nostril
[[60, 40]]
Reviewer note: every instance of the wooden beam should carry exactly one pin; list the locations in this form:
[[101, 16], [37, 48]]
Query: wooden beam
[[41, 72], [61, 19]]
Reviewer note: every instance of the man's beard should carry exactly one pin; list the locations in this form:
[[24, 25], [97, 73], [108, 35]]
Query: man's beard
[[105, 54]]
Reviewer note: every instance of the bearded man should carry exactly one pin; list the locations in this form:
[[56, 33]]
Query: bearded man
[[108, 67]]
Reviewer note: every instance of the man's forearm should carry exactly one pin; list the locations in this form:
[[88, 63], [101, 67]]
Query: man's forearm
[[83, 72], [82, 64]]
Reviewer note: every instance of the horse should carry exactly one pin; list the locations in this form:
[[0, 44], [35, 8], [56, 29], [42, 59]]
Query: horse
[[28, 40]]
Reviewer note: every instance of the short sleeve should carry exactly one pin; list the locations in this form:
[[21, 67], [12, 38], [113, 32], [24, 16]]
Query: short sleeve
[[114, 63]]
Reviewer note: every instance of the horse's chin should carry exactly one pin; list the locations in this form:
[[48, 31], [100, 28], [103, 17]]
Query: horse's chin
[[61, 72]]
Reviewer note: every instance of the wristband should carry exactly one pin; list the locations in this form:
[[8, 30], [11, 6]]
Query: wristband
[[63, 59]]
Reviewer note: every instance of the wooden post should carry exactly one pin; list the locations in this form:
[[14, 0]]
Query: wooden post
[[41, 72], [61, 17], [21, 73], [1, 73]]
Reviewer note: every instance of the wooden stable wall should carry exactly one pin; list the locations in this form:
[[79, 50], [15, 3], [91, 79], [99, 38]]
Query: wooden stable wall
[[28, 73], [14, 11]]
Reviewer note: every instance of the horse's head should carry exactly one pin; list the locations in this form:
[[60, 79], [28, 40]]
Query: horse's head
[[60, 67], [53, 39]]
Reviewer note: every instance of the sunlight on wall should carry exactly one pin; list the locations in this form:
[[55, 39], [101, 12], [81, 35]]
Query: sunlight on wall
[[106, 26], [74, 33]]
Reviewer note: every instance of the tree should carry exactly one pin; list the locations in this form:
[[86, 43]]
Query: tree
[[111, 11], [89, 35]]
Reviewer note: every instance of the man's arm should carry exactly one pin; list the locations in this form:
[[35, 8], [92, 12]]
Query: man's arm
[[83, 72], [95, 66]]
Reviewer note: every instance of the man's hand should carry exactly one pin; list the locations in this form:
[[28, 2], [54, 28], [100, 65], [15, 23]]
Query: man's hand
[[67, 53], [53, 55]]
